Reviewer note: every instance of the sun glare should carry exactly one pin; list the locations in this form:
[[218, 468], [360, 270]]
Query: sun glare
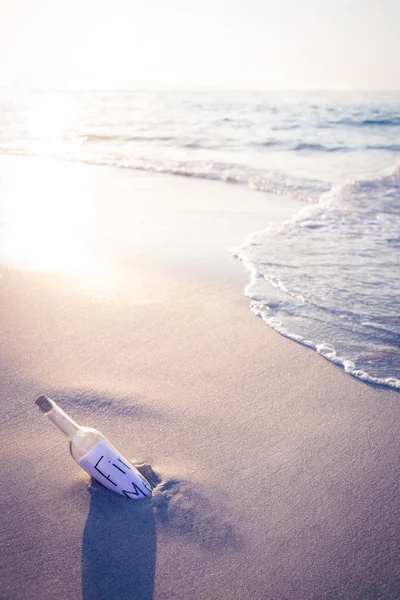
[[47, 227], [50, 116]]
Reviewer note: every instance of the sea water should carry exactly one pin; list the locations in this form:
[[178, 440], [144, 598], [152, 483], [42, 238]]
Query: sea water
[[328, 277]]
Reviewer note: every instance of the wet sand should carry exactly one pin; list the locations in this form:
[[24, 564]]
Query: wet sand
[[279, 473]]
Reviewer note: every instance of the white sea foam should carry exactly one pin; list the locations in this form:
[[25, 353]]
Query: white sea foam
[[329, 277]]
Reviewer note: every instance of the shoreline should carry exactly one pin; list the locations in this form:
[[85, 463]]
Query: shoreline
[[279, 470]]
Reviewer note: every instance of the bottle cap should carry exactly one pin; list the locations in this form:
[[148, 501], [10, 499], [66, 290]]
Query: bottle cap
[[45, 404]]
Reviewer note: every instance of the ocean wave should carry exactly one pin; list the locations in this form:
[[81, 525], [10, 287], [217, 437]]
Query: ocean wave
[[308, 190], [325, 278], [313, 147], [271, 144], [259, 180], [387, 147], [105, 137], [384, 121], [328, 351]]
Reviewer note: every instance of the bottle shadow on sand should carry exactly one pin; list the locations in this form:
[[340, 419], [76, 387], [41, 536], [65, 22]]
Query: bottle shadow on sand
[[118, 548], [119, 540]]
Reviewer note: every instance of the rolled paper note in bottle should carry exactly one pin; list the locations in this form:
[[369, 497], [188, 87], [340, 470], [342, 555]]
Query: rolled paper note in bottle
[[97, 456]]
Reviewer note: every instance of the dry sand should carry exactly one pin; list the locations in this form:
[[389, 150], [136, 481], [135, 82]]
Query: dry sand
[[279, 472]]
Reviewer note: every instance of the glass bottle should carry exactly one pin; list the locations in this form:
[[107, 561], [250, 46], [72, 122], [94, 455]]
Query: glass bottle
[[97, 456]]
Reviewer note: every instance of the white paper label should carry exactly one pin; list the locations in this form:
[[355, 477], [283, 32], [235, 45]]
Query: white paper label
[[115, 472]]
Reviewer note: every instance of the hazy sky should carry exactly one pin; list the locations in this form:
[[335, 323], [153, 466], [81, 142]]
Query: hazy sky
[[295, 44]]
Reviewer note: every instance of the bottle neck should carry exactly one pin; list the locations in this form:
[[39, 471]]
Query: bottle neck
[[67, 425], [64, 422]]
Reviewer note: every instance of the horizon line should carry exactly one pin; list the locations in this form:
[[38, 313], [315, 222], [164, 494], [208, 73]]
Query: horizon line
[[154, 88]]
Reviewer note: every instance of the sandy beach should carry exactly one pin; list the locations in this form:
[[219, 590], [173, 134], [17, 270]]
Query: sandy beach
[[278, 473]]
